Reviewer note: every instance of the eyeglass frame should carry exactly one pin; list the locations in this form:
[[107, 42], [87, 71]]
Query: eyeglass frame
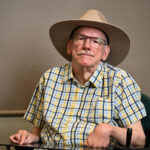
[[100, 41]]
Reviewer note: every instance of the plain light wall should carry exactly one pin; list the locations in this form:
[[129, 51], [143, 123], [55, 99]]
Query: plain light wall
[[26, 51]]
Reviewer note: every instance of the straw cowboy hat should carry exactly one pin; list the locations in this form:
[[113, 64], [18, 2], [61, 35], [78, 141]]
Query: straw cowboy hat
[[119, 40]]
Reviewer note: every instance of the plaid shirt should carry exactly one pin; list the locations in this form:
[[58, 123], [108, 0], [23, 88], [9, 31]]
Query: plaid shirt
[[68, 112]]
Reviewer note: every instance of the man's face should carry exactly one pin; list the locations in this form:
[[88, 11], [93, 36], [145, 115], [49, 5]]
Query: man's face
[[88, 47]]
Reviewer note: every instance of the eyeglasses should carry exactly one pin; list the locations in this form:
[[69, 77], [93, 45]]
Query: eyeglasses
[[94, 41]]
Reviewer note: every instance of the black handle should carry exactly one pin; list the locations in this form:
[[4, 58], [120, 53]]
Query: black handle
[[128, 137]]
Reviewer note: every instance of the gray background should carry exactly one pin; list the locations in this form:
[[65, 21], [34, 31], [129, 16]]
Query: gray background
[[26, 51]]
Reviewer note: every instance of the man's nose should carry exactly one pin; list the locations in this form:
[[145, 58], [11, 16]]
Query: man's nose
[[87, 43]]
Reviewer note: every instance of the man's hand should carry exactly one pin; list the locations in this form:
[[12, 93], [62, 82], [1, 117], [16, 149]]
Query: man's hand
[[25, 137], [100, 136]]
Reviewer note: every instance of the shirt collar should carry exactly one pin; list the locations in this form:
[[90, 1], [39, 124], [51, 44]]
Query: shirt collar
[[67, 72], [96, 78]]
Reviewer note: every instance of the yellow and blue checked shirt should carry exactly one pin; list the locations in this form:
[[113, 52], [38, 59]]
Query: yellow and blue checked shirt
[[68, 112]]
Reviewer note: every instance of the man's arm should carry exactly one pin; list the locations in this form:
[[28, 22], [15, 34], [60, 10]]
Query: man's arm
[[138, 136], [25, 137], [100, 137]]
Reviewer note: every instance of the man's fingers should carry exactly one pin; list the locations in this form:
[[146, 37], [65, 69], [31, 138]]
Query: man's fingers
[[24, 137], [20, 137], [15, 138]]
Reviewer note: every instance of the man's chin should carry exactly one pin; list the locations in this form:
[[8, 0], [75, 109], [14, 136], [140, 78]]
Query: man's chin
[[85, 64]]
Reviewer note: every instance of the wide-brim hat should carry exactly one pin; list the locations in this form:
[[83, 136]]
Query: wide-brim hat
[[119, 41]]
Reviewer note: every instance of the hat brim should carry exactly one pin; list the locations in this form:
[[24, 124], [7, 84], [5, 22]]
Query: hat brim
[[119, 40]]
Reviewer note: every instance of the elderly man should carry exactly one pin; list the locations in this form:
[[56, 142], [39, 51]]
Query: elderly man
[[88, 101]]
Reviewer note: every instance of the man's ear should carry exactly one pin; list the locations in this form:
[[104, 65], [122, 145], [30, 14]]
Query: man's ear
[[69, 51], [106, 52]]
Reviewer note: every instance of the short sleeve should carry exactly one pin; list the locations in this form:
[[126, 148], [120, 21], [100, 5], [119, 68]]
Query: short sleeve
[[34, 113], [128, 100]]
